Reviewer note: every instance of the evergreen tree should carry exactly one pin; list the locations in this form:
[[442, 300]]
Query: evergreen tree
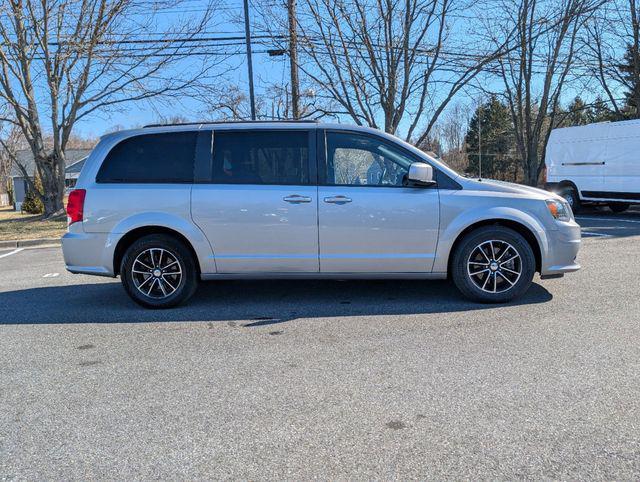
[[33, 200], [490, 133], [579, 113], [601, 111], [630, 73]]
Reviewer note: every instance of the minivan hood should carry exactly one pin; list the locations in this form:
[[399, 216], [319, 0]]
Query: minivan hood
[[508, 187]]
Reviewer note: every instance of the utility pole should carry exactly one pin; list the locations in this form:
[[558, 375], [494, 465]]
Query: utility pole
[[293, 57], [480, 142], [247, 34]]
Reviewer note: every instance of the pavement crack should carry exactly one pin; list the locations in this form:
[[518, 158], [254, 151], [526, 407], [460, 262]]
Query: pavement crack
[[395, 425], [89, 363]]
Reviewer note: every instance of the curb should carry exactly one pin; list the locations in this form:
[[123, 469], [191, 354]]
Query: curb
[[30, 243]]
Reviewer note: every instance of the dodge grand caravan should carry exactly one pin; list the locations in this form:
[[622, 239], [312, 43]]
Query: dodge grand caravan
[[167, 206]]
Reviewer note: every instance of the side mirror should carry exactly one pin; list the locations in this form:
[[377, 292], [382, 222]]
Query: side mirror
[[421, 174]]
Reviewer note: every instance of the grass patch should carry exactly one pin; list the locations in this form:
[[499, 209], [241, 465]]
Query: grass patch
[[15, 225]]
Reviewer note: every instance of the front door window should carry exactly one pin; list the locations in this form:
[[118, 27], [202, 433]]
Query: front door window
[[357, 160]]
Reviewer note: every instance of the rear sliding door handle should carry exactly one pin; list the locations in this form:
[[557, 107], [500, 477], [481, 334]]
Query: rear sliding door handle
[[337, 200], [297, 199]]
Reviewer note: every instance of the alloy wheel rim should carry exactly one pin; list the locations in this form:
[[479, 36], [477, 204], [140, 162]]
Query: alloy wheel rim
[[156, 273], [494, 266], [568, 196]]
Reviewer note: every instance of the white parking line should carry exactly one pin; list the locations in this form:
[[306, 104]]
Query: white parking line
[[635, 221], [51, 275], [600, 235], [11, 252]]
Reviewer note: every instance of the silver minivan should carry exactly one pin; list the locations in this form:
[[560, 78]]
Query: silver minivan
[[167, 206]]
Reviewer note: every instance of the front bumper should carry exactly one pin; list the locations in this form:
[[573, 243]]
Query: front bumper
[[563, 245]]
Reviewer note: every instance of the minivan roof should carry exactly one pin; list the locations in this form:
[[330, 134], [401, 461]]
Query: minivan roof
[[234, 122], [277, 124]]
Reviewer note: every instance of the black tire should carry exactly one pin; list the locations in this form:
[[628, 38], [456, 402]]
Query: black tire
[[466, 252], [160, 294], [619, 207], [572, 197]]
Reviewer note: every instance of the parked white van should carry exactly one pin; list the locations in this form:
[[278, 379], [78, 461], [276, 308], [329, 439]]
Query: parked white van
[[596, 163]]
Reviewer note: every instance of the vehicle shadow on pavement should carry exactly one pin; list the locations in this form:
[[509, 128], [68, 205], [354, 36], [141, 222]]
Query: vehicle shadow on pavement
[[252, 303]]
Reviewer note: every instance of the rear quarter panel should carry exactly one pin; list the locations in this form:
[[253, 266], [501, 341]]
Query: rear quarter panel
[[114, 209]]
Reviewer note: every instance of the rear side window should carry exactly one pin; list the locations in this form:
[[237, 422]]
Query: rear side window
[[261, 157], [159, 158]]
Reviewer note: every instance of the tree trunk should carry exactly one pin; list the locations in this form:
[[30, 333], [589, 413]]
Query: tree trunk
[[51, 170], [532, 172]]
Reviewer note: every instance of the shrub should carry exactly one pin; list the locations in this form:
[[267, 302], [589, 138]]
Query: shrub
[[32, 203], [9, 191]]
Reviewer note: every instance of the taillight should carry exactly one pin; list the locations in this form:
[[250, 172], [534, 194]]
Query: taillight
[[75, 205]]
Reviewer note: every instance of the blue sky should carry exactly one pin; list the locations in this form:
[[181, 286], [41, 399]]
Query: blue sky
[[227, 22], [234, 72]]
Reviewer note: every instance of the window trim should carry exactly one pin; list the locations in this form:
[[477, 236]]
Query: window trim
[[323, 159], [149, 181], [312, 166], [204, 157]]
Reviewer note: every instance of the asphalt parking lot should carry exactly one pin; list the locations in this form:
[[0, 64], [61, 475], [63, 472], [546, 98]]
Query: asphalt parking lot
[[310, 379]]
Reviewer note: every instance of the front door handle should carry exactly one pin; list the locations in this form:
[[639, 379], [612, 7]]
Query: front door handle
[[297, 199], [337, 200]]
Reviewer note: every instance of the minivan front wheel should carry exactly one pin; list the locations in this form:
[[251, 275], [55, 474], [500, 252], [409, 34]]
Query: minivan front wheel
[[493, 264], [158, 271]]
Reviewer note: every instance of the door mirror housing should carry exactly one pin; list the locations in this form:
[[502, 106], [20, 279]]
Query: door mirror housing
[[420, 174]]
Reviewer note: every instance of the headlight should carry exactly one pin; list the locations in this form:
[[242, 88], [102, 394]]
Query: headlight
[[559, 210]]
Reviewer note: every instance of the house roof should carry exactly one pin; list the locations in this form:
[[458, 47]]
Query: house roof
[[73, 170], [25, 158]]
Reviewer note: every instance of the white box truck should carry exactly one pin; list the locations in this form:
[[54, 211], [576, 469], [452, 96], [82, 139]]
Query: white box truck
[[597, 163]]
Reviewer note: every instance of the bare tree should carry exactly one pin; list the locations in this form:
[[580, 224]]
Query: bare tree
[[390, 64], [231, 103], [536, 68], [612, 46], [453, 128], [10, 138], [273, 103], [64, 60]]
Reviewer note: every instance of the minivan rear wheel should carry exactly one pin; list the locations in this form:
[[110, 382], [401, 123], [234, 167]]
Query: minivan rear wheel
[[493, 264], [619, 207], [158, 271]]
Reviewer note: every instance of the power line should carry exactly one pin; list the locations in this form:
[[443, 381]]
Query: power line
[[194, 43], [165, 41]]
